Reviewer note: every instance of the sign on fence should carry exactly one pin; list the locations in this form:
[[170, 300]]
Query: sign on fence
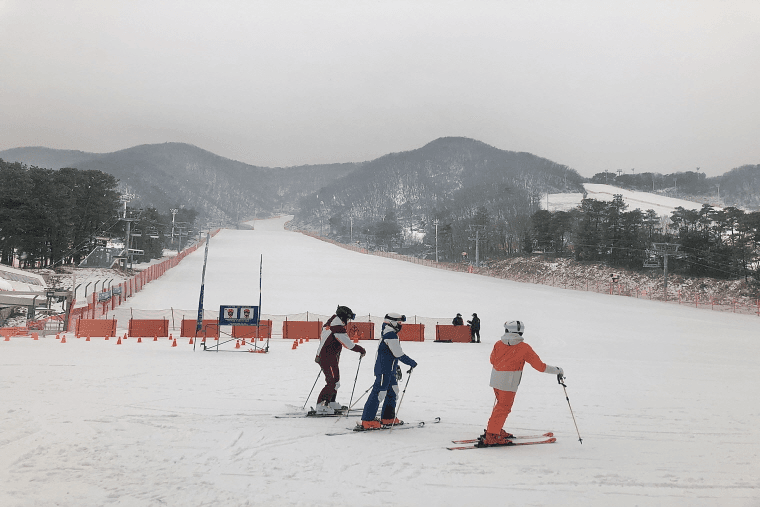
[[104, 296], [238, 315]]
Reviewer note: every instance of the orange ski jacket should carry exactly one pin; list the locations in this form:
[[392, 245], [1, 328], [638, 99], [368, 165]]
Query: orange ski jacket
[[508, 358]]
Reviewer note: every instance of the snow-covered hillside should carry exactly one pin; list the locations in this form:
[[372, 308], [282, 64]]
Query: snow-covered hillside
[[644, 201], [665, 398]]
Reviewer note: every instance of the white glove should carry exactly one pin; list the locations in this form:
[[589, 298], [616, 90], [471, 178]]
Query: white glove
[[554, 370]]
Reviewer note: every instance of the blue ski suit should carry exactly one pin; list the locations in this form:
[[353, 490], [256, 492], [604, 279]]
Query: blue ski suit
[[385, 388]]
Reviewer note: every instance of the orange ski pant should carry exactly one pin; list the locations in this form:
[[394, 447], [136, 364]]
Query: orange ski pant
[[504, 401]]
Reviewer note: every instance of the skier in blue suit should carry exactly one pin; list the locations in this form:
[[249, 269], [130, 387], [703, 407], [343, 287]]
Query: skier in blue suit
[[385, 390]]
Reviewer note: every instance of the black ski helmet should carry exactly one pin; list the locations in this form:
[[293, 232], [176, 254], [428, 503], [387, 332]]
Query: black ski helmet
[[345, 313]]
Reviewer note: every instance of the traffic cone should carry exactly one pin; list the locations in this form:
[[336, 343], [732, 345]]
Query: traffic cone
[[237, 344], [295, 344], [155, 338], [125, 336], [174, 343], [118, 342], [203, 340], [139, 339], [88, 338], [300, 340], [7, 338], [170, 336], [191, 340], [57, 337], [106, 337], [63, 339]]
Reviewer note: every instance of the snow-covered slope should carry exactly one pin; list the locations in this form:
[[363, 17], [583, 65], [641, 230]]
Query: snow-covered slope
[[644, 201], [665, 398]]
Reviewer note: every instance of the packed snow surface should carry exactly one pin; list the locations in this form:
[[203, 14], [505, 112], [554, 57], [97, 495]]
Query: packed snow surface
[[665, 397], [661, 204]]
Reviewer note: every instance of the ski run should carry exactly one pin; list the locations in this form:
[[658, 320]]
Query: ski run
[[665, 397]]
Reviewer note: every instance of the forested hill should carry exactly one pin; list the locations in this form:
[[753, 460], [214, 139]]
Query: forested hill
[[171, 175], [452, 179]]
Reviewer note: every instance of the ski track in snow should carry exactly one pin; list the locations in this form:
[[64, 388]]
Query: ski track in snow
[[665, 398]]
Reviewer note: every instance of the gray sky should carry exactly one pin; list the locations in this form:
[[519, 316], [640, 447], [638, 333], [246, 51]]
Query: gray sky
[[652, 85]]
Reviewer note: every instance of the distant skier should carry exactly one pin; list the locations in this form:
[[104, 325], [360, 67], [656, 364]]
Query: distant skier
[[387, 374], [458, 321], [334, 338], [508, 357], [474, 328]]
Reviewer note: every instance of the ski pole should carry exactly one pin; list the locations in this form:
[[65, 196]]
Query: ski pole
[[560, 381], [408, 376], [312, 388], [362, 396], [352, 390], [354, 386]]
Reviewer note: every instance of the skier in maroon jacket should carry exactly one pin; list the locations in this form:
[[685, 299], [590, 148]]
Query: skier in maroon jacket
[[334, 338]]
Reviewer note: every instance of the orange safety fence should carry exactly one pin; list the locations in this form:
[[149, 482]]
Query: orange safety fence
[[412, 333], [298, 329], [361, 330], [450, 333], [13, 331], [209, 328], [148, 327], [95, 327], [263, 330]]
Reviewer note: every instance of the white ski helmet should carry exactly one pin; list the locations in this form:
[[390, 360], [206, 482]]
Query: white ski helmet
[[394, 320], [514, 326]]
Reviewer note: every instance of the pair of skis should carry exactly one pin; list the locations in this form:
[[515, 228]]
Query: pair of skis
[[476, 443], [395, 427]]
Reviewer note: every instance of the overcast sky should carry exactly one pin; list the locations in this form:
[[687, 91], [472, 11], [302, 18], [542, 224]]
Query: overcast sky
[[647, 85]]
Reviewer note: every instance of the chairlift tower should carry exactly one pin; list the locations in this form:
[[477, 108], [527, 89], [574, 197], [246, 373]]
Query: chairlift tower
[[125, 198], [476, 239], [663, 250]]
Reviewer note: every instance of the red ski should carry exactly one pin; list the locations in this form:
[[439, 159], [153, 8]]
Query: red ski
[[510, 443], [515, 437]]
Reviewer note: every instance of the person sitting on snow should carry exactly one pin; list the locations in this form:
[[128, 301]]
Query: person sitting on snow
[[385, 389], [508, 357], [334, 338]]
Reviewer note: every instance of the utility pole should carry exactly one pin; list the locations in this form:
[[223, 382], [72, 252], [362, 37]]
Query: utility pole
[[436, 222], [174, 212]]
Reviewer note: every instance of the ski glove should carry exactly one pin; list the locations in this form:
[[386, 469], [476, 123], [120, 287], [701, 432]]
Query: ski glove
[[359, 349], [399, 375], [316, 360], [554, 370]]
